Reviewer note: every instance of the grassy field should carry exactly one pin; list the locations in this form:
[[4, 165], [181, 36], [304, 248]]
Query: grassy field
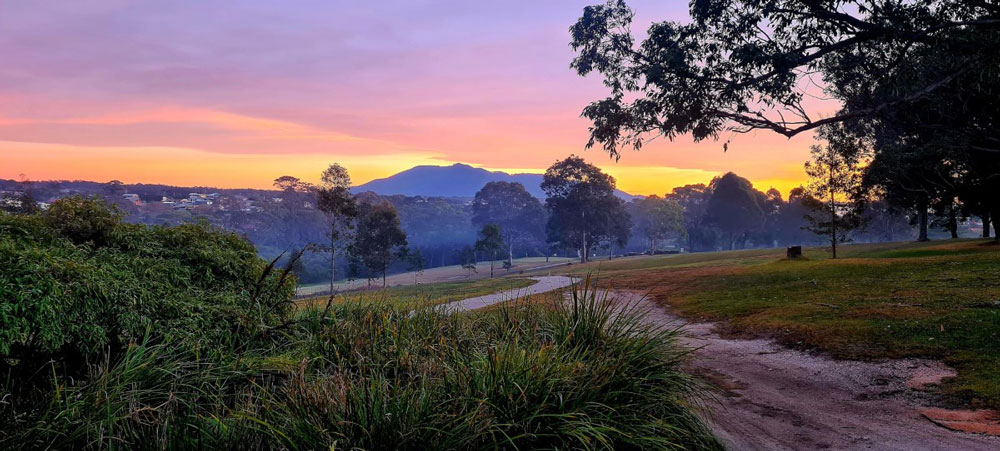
[[409, 296], [937, 300], [440, 274]]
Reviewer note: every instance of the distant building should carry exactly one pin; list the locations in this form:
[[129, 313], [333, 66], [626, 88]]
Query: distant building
[[132, 198]]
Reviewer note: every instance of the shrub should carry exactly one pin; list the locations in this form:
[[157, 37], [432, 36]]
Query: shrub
[[77, 283], [369, 375]]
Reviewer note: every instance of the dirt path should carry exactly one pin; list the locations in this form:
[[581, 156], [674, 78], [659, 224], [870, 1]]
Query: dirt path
[[776, 398], [545, 283]]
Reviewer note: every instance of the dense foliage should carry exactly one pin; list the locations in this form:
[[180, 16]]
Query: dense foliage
[[180, 337], [77, 283], [583, 209]]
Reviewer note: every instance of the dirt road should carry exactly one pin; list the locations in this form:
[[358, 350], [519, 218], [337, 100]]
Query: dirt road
[[775, 398]]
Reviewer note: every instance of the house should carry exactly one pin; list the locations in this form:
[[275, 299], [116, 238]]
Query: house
[[132, 198]]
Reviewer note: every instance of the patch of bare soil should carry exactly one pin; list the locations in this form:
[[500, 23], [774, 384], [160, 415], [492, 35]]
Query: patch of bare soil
[[776, 398]]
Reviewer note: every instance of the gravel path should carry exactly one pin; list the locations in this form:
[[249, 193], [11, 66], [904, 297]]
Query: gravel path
[[777, 398], [545, 283]]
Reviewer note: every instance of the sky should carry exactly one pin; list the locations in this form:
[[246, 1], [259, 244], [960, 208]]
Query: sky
[[235, 94]]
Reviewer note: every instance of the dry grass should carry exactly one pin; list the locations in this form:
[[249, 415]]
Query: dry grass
[[938, 300]]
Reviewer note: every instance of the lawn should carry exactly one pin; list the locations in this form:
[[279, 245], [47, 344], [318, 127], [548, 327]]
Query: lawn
[[936, 300], [422, 295]]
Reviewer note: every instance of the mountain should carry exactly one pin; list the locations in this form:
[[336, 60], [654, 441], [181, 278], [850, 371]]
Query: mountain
[[457, 180]]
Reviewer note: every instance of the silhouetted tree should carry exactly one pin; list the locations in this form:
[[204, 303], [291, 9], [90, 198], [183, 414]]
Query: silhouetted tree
[[733, 208], [693, 199], [835, 182], [334, 199], [491, 242], [379, 241], [519, 215], [467, 258], [658, 219], [743, 65], [581, 204]]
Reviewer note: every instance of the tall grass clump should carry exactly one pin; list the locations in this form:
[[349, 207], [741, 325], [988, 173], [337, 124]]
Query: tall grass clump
[[584, 373]]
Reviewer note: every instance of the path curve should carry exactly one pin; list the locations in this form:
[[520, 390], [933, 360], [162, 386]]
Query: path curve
[[545, 283], [776, 398]]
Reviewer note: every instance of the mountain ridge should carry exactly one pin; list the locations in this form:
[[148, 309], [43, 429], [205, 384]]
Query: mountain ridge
[[456, 180]]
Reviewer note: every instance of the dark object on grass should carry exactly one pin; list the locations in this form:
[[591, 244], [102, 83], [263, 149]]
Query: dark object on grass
[[794, 252]]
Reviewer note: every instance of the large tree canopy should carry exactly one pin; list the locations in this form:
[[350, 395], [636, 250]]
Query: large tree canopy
[[583, 209], [742, 65], [733, 208], [519, 215]]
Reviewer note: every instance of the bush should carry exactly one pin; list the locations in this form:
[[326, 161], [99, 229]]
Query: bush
[[77, 284], [371, 376], [117, 335]]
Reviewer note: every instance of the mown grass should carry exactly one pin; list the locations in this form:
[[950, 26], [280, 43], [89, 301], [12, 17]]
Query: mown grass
[[412, 296], [937, 300], [372, 375]]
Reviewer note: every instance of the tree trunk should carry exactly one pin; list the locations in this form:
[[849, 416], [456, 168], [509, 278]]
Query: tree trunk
[[383, 278], [833, 228], [510, 254], [493, 259], [986, 225], [995, 218], [333, 260], [922, 215], [583, 252], [952, 221]]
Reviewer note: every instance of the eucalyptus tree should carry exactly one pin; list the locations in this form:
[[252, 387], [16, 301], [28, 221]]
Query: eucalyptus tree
[[582, 205], [334, 199], [744, 65], [491, 242], [379, 242], [658, 219], [519, 215], [733, 208], [835, 181]]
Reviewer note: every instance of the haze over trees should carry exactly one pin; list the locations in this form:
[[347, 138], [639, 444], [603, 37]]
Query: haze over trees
[[379, 242], [733, 209], [518, 214], [657, 220], [583, 210], [491, 243]]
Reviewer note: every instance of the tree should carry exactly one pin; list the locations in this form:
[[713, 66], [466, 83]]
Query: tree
[[659, 219], [519, 215], [744, 65], [416, 263], [84, 219], [733, 208], [581, 203], [693, 199], [467, 258], [907, 74], [287, 183], [379, 241], [614, 224], [490, 241], [334, 199], [835, 182]]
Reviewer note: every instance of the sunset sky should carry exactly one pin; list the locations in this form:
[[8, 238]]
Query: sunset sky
[[234, 94]]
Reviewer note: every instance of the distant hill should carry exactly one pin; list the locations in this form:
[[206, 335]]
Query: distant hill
[[457, 180]]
